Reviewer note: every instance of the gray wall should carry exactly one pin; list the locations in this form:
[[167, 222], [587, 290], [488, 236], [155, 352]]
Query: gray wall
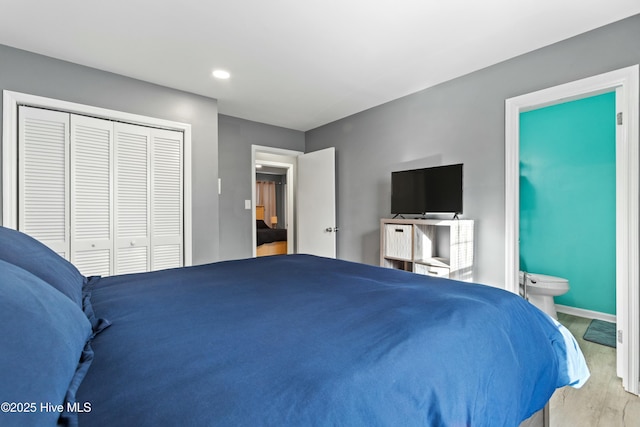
[[235, 140], [34, 74], [458, 121]]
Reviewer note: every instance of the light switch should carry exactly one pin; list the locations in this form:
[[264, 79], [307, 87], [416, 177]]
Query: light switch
[[247, 204]]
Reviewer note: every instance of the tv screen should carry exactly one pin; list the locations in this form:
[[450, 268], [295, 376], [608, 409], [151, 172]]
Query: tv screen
[[429, 190]]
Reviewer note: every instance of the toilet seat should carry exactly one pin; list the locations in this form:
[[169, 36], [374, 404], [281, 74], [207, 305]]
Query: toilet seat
[[542, 281]]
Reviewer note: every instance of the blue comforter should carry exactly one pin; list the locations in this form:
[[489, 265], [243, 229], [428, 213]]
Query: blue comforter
[[299, 340]]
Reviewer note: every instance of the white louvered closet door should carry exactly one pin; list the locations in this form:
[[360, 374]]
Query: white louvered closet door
[[132, 202], [92, 195], [43, 181], [166, 199], [106, 196]]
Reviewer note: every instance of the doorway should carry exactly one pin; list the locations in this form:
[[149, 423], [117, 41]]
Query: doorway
[[567, 201], [284, 161], [625, 83], [310, 200]]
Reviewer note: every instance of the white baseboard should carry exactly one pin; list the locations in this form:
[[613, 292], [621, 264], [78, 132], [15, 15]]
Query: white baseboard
[[589, 314]]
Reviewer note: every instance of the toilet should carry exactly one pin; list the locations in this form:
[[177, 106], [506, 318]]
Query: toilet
[[539, 290]]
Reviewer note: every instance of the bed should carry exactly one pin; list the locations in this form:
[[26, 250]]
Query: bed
[[269, 241], [316, 341]]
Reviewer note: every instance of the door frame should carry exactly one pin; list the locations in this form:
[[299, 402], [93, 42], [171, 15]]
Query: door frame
[[10, 102], [291, 189], [625, 82]]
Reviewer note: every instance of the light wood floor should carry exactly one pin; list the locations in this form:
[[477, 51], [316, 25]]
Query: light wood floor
[[601, 402]]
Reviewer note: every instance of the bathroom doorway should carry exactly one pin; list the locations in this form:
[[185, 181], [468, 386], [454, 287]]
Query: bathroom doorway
[[625, 83], [567, 201]]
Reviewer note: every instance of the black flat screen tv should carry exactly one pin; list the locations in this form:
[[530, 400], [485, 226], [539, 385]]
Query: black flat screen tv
[[428, 190]]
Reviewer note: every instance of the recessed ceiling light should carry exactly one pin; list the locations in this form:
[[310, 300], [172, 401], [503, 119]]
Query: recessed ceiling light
[[221, 74]]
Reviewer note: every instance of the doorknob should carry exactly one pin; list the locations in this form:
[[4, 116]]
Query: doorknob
[[331, 229]]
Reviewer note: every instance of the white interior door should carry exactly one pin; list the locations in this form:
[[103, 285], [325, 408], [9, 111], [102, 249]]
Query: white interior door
[[132, 203], [167, 199], [316, 203], [91, 195], [44, 177]]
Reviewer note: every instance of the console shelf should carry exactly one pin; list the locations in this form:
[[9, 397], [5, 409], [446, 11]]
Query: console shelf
[[434, 247]]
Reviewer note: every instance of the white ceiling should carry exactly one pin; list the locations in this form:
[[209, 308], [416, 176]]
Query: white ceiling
[[298, 63]]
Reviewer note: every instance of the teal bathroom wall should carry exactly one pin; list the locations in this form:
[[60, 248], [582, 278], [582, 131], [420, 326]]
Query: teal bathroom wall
[[567, 198]]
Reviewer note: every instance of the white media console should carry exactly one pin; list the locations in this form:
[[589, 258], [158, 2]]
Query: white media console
[[434, 247]]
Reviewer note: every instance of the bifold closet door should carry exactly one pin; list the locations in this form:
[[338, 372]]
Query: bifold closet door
[[149, 201], [107, 196], [132, 201], [92, 195], [166, 199], [43, 177]]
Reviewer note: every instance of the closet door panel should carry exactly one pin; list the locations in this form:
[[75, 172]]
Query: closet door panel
[[166, 199], [94, 262], [43, 189], [92, 195], [167, 256], [133, 259], [132, 204]]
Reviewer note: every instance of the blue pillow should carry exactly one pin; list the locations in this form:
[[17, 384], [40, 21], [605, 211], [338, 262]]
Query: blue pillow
[[26, 252], [43, 338]]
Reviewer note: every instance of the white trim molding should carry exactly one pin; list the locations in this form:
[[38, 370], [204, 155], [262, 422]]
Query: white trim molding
[[626, 84], [11, 101], [587, 314]]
